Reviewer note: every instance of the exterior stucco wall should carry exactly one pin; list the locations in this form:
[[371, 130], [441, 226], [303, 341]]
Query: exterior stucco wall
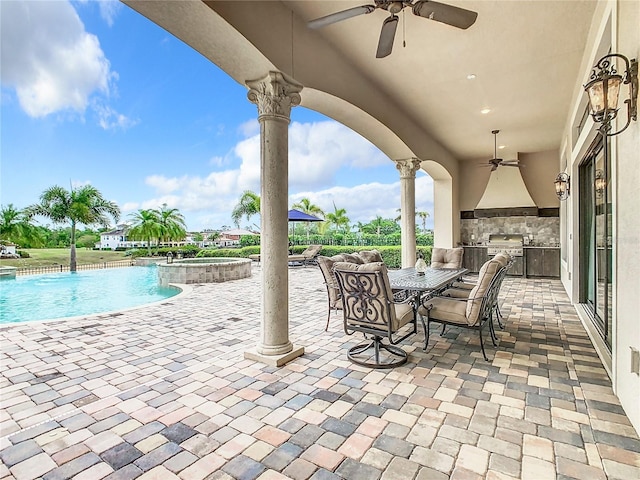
[[614, 28], [627, 234]]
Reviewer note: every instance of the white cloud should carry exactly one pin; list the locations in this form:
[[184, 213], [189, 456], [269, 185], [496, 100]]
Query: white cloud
[[109, 10], [318, 153], [53, 64], [109, 119], [129, 207], [249, 128]]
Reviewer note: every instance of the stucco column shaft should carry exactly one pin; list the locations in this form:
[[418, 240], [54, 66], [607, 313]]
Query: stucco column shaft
[[408, 168], [274, 96]]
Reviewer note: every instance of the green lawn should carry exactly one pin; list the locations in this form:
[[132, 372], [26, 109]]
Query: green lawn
[[42, 257]]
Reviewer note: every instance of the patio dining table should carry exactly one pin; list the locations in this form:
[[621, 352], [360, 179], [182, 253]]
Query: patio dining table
[[433, 281]]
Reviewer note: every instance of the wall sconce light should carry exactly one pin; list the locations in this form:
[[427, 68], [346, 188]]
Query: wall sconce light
[[604, 88], [562, 186], [600, 183]]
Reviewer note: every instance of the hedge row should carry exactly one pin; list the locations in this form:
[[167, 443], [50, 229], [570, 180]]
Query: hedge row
[[390, 255]]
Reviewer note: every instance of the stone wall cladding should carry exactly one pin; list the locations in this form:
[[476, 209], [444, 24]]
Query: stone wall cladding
[[544, 230], [185, 272]]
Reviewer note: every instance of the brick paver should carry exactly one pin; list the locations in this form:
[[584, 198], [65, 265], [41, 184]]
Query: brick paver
[[163, 391]]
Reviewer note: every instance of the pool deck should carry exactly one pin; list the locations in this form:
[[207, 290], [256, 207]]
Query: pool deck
[[163, 392]]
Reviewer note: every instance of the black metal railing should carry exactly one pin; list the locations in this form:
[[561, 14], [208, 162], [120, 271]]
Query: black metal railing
[[65, 268]]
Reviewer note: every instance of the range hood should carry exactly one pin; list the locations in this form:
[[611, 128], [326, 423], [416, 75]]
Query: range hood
[[506, 195]]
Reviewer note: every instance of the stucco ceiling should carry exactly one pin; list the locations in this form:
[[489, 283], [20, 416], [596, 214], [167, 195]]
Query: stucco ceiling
[[525, 56]]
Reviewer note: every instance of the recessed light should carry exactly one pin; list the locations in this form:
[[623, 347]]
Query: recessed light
[[484, 111], [501, 146], [471, 76]]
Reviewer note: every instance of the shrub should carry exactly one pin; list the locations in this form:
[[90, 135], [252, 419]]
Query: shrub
[[23, 254]]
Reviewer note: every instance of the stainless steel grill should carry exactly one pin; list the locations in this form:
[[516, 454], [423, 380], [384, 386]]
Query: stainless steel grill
[[510, 243]]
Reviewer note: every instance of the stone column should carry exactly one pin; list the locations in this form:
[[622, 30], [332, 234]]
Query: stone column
[[408, 168], [274, 96]]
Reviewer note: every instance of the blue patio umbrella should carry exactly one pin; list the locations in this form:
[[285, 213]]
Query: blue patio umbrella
[[298, 216]]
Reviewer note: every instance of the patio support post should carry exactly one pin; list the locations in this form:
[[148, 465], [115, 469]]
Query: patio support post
[[408, 168], [274, 95]]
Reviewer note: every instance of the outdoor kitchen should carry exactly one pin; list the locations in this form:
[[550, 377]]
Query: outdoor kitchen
[[506, 218]]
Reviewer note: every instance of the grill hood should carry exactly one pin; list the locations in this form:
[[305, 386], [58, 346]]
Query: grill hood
[[505, 195]]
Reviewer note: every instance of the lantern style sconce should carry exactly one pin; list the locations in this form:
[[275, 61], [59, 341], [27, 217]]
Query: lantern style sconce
[[562, 186], [600, 183], [603, 90]]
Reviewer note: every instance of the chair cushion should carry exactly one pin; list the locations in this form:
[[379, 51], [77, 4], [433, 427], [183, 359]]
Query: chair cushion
[[326, 267], [456, 293], [486, 274], [463, 285], [369, 256], [446, 309], [352, 258], [446, 257], [502, 258], [404, 314]]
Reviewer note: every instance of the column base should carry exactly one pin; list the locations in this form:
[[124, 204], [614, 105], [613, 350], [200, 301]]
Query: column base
[[274, 360]]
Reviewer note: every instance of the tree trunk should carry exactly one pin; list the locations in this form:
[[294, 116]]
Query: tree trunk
[[73, 260]]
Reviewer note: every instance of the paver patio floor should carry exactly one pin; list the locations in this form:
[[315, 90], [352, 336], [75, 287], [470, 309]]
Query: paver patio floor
[[163, 392]]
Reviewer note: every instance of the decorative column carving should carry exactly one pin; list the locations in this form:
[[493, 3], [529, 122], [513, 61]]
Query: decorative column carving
[[408, 168], [274, 95]]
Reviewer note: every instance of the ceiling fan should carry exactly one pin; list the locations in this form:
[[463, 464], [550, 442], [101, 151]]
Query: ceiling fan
[[496, 162], [440, 12]]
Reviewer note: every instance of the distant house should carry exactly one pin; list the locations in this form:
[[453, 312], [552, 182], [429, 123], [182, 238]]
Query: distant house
[[231, 238], [8, 250], [117, 238]]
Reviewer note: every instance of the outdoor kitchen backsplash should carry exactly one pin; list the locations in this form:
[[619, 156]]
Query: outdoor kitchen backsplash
[[541, 231]]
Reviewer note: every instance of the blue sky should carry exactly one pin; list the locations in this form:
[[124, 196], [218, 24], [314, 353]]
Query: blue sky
[[92, 92]]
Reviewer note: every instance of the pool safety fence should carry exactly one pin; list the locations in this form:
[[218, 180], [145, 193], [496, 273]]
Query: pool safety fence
[[65, 268]]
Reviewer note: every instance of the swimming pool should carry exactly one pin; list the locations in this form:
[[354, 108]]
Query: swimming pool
[[59, 295]]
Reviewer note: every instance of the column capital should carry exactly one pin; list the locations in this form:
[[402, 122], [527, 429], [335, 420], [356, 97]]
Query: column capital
[[274, 95], [408, 167]]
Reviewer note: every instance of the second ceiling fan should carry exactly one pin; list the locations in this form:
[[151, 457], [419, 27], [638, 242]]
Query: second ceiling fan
[[439, 12], [496, 162]]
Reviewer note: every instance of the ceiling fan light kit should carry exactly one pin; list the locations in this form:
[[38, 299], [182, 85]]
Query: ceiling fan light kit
[[496, 162], [438, 12]]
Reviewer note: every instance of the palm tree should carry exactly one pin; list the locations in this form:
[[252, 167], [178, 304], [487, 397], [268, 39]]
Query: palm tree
[[248, 205], [15, 225], [84, 205], [305, 205], [146, 226], [338, 218], [423, 217], [172, 224]]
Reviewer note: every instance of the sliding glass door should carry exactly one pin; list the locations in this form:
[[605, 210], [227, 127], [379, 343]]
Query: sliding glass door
[[595, 237]]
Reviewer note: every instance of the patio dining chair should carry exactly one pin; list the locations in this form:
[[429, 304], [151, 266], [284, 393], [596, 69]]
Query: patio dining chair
[[446, 257], [461, 289], [368, 307], [472, 312], [333, 291]]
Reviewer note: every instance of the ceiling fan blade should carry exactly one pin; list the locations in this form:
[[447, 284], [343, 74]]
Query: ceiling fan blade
[[387, 35], [443, 13], [339, 16]]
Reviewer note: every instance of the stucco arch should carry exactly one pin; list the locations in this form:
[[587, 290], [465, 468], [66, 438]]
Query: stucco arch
[[446, 226], [357, 120]]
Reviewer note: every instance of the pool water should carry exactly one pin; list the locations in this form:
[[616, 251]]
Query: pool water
[[59, 295]]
